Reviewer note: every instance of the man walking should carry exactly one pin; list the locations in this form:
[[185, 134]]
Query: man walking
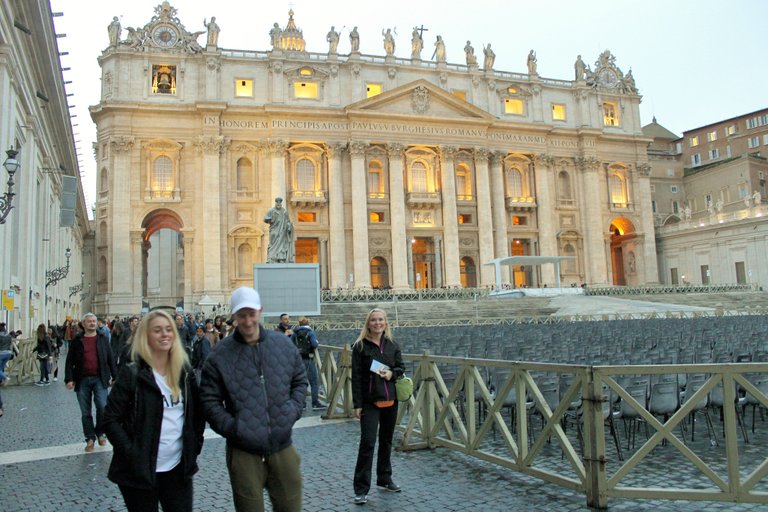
[[305, 340], [90, 370], [253, 390]]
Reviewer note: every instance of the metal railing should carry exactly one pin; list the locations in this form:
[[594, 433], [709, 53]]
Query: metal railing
[[487, 409], [667, 289], [341, 295], [24, 368]]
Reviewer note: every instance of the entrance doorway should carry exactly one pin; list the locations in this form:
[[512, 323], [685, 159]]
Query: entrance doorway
[[520, 276], [379, 273], [468, 272], [162, 259], [622, 231], [423, 262], [307, 250]]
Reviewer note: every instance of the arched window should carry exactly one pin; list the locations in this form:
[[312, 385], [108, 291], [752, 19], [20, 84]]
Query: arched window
[[514, 183], [162, 177], [419, 177], [375, 179], [379, 273], [463, 183], [244, 260], [568, 266], [618, 190], [564, 186], [305, 175], [468, 272], [244, 175]]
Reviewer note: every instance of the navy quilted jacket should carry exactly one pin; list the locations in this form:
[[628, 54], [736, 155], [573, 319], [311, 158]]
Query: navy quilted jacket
[[252, 395]]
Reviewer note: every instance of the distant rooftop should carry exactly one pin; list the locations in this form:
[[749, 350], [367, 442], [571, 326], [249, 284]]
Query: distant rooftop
[[656, 131]]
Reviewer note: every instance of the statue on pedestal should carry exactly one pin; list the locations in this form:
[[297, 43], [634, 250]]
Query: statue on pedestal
[[440, 49], [281, 248], [532, 63], [580, 68], [213, 31], [333, 40], [389, 42], [354, 40], [469, 51], [490, 57], [274, 36], [114, 30], [417, 44]]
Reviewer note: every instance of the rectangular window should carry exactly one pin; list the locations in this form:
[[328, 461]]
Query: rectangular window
[[765, 139], [513, 106], [714, 154], [673, 189], [678, 148], [243, 88], [741, 274], [653, 206], [696, 159], [372, 90], [763, 120], [728, 151], [163, 79], [610, 114], [305, 90], [675, 207], [558, 112], [465, 218], [742, 191], [307, 217], [731, 130], [673, 276], [753, 142], [707, 200], [375, 217], [693, 141], [653, 187], [712, 136], [751, 123], [704, 274], [519, 221], [462, 95], [671, 173]]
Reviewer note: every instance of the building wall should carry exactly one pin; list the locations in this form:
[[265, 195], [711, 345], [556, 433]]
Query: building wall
[[577, 176], [34, 119]]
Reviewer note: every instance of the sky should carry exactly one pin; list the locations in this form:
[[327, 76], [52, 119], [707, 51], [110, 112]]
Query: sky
[[695, 62]]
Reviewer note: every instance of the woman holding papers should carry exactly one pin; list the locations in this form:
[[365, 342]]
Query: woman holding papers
[[376, 364]]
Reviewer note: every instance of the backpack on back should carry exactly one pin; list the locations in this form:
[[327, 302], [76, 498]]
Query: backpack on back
[[303, 342]]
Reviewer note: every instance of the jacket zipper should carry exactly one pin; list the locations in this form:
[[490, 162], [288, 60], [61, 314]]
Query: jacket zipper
[[264, 390]]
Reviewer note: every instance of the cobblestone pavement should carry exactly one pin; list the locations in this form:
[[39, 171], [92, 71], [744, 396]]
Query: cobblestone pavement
[[43, 468]]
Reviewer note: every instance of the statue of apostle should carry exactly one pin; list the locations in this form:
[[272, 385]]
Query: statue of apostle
[[281, 248]]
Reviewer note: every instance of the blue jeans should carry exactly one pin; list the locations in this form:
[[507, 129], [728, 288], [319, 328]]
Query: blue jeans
[[309, 365], [91, 388], [5, 356], [43, 369]]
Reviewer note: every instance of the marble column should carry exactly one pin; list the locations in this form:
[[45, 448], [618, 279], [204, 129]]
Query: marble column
[[210, 209], [323, 263], [545, 211], [450, 217], [648, 263], [189, 264], [501, 242], [139, 262], [121, 292], [484, 218], [337, 232], [437, 242], [409, 259], [362, 261], [401, 277], [277, 150], [595, 257]]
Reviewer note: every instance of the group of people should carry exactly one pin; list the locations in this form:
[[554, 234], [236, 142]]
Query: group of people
[[250, 385]]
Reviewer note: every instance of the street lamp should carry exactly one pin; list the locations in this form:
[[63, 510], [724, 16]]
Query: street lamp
[[11, 165], [54, 276], [77, 288]]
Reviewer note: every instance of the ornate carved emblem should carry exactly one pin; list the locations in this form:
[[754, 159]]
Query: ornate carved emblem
[[420, 100]]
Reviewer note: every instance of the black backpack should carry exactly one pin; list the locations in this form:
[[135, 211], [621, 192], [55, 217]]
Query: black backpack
[[303, 342]]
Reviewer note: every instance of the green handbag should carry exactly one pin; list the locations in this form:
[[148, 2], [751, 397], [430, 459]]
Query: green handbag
[[404, 388]]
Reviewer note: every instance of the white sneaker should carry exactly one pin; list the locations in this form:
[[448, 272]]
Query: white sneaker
[[55, 379]]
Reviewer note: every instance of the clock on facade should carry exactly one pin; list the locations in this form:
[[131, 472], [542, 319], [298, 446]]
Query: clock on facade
[[165, 36], [607, 78]]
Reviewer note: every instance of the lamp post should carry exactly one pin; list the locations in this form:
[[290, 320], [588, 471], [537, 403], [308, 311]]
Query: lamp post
[[11, 165], [54, 276], [77, 288]]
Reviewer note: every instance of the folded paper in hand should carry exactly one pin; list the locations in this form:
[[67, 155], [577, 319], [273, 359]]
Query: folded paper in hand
[[378, 366]]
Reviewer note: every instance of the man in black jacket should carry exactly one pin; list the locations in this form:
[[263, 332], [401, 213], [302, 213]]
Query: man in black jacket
[[90, 370], [253, 390]]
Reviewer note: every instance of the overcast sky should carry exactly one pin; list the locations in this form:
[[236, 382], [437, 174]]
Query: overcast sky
[[694, 61]]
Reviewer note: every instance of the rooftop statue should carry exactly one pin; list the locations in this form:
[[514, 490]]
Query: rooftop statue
[[490, 57], [532, 63], [274, 36], [389, 42], [333, 40], [354, 40], [469, 51], [440, 49], [114, 31], [213, 31], [580, 68], [417, 44]]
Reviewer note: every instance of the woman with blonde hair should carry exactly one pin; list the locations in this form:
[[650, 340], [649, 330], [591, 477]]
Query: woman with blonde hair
[[154, 420], [376, 363]]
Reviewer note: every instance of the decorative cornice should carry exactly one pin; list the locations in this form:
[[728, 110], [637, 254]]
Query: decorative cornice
[[335, 148], [395, 150], [276, 147], [644, 169], [482, 154], [588, 163], [357, 148], [212, 144], [122, 143]]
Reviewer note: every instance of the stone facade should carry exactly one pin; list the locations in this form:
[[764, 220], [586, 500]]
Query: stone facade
[[397, 172]]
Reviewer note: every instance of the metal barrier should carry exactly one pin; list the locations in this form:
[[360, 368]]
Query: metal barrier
[[668, 289], [343, 296], [488, 408], [24, 368]]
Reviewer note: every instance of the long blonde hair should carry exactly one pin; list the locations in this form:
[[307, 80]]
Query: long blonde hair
[[177, 357], [366, 332]]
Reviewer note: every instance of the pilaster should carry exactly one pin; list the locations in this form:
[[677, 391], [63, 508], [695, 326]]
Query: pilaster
[[450, 217], [337, 231], [277, 149], [362, 266], [484, 216], [401, 276], [595, 257], [545, 212], [501, 241]]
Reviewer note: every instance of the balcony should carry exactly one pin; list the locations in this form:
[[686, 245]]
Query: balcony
[[423, 199], [520, 204], [621, 207], [309, 198], [378, 197]]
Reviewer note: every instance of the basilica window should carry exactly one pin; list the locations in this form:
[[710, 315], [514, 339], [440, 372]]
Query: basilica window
[[309, 217], [564, 192], [372, 90], [514, 106], [375, 217], [569, 266], [514, 183], [463, 183], [618, 190], [375, 180], [245, 186], [418, 177], [305, 89], [161, 183], [163, 79], [558, 112], [244, 261], [305, 175], [610, 114], [243, 88]]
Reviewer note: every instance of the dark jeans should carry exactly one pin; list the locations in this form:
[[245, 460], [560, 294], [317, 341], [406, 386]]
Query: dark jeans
[[43, 369], [371, 420], [172, 491], [309, 365], [91, 388]]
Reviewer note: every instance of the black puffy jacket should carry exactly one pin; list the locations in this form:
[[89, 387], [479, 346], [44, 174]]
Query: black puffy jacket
[[253, 394], [368, 387], [133, 419]]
